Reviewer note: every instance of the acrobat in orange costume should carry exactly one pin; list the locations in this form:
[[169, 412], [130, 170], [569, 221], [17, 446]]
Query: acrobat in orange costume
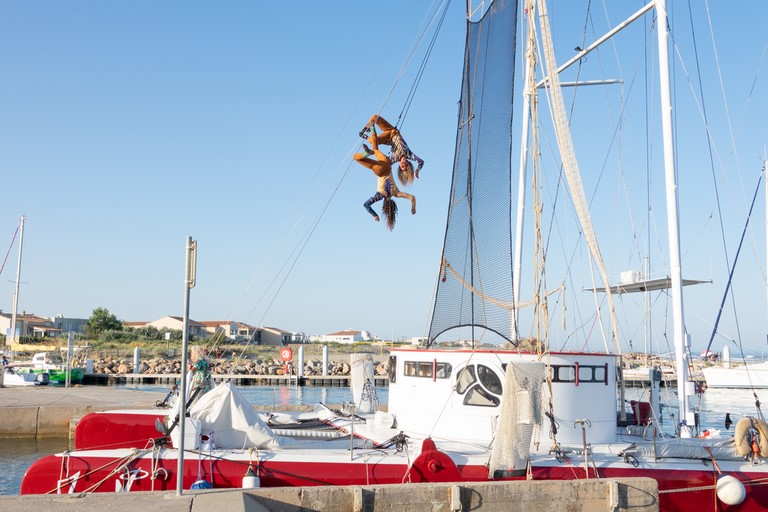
[[400, 152], [386, 187]]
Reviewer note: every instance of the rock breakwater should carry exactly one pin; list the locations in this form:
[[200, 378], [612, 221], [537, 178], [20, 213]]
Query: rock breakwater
[[161, 366]]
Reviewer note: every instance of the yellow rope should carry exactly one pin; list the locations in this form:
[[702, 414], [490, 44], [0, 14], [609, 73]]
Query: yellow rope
[[502, 304]]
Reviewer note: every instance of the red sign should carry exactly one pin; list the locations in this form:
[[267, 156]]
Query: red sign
[[286, 354]]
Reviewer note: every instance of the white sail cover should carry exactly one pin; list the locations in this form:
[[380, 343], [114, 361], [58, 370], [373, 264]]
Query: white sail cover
[[230, 418], [691, 448]]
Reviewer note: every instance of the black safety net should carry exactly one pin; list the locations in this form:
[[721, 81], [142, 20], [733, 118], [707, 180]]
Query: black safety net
[[475, 285]]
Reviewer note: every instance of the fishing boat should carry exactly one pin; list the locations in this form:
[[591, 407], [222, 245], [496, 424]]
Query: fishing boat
[[744, 376], [474, 414], [13, 378], [748, 376], [52, 364]]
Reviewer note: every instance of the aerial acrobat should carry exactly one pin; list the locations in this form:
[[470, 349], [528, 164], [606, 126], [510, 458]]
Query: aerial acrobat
[[386, 188], [400, 151]]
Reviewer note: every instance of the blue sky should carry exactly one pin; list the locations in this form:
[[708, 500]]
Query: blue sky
[[128, 126]]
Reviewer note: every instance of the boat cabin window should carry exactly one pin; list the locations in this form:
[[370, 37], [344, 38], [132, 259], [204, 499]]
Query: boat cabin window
[[586, 373], [465, 379], [489, 379], [480, 385], [479, 396], [427, 369], [443, 370]]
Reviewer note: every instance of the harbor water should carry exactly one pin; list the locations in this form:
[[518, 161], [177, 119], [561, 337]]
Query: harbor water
[[16, 455]]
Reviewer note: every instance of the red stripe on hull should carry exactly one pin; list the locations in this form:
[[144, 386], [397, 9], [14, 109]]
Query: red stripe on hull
[[97, 474]]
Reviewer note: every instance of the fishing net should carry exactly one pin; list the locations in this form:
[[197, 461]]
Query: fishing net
[[475, 288], [363, 390], [521, 412]]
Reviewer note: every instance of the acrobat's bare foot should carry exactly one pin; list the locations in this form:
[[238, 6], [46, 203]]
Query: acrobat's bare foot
[[376, 218], [413, 210]]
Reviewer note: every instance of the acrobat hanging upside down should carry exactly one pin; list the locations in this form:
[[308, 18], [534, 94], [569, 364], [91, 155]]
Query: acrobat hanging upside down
[[400, 153], [386, 188]]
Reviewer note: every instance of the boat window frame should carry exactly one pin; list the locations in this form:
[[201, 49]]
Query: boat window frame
[[426, 369], [579, 373]]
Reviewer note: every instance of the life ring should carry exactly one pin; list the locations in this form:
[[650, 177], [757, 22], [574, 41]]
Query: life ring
[[743, 441]]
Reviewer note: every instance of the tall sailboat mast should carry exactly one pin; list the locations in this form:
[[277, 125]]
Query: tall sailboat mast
[[686, 418], [12, 335]]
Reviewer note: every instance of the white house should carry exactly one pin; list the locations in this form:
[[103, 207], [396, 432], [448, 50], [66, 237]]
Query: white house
[[177, 323], [231, 330], [344, 337]]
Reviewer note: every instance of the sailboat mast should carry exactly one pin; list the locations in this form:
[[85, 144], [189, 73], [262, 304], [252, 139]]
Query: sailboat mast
[[673, 221], [528, 92], [12, 339]]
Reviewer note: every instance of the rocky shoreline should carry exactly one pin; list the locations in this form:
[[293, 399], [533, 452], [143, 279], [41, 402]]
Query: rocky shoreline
[[161, 366]]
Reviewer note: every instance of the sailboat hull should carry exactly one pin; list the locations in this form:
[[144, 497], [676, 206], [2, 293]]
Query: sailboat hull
[[155, 470], [753, 376]]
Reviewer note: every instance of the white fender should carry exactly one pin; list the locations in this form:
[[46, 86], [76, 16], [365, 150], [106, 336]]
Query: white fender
[[730, 490]]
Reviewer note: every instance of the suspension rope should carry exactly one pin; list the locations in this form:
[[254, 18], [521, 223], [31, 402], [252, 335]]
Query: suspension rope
[[422, 67]]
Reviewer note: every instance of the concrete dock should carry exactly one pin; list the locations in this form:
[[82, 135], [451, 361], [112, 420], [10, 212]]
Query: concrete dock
[[46, 411], [595, 495]]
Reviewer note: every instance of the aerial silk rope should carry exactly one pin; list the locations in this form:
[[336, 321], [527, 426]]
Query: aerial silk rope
[[420, 72]]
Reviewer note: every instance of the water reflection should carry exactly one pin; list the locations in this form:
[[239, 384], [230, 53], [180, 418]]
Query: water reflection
[[16, 455]]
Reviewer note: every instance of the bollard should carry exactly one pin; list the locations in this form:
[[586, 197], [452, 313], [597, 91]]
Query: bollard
[[300, 365]]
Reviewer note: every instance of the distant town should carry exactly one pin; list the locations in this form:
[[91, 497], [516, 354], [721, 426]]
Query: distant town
[[40, 328]]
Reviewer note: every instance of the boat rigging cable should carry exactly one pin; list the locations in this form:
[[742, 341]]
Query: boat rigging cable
[[302, 245], [422, 67], [290, 262], [10, 246], [733, 268], [571, 165], [478, 235]]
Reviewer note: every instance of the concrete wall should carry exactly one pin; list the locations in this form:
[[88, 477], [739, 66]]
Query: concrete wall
[[620, 495]]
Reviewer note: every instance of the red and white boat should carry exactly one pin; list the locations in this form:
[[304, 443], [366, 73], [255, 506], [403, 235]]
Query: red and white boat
[[453, 415], [442, 424]]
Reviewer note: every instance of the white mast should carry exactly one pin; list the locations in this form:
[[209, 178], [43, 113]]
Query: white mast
[[528, 90], [673, 227], [189, 283], [12, 335]]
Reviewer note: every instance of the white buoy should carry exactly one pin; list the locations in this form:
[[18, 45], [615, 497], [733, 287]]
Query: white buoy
[[730, 490], [250, 480]]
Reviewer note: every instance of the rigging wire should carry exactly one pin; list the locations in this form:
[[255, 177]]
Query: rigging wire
[[410, 57], [422, 67], [733, 267], [295, 216], [10, 246]]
